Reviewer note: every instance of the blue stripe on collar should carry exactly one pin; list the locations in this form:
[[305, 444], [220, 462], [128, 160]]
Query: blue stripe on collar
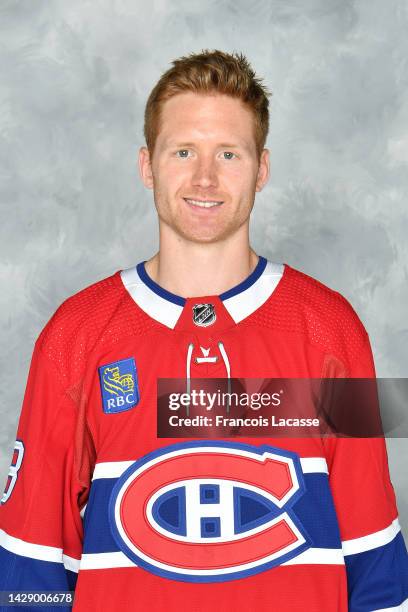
[[240, 301], [167, 295], [180, 301], [250, 280]]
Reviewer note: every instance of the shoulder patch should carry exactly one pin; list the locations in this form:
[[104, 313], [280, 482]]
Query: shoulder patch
[[119, 386]]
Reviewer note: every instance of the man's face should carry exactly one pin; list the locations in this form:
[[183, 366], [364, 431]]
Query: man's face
[[205, 170]]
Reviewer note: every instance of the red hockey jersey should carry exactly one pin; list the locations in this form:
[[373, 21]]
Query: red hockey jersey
[[96, 502]]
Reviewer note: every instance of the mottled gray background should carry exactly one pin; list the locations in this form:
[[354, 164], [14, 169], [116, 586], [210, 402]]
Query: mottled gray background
[[75, 76]]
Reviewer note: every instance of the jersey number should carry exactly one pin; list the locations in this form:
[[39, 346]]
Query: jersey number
[[13, 471]]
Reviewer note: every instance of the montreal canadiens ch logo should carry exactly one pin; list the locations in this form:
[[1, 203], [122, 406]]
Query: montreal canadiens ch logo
[[209, 511]]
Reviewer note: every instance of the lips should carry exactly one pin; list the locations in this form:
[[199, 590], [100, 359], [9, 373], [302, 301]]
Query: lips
[[203, 203]]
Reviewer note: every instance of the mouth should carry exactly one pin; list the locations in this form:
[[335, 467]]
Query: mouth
[[203, 203]]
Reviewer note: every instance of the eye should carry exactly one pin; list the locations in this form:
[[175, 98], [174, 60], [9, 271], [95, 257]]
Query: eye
[[228, 155], [183, 153]]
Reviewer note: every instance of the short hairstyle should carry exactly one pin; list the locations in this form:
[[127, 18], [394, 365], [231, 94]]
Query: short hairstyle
[[210, 72]]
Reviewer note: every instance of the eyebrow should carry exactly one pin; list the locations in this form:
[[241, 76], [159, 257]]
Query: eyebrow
[[226, 145]]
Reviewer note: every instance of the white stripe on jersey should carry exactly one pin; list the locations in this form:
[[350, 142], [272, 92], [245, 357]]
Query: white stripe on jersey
[[373, 540], [105, 561], [110, 469], [312, 556], [318, 556], [311, 465], [114, 469], [37, 551], [401, 608], [70, 563]]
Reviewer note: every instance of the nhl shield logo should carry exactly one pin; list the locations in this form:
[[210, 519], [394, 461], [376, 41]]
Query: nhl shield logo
[[204, 314], [210, 511]]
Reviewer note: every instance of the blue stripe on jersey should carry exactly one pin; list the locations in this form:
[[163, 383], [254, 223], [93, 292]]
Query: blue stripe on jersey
[[317, 513], [314, 510], [250, 280], [97, 533], [164, 293], [180, 301], [20, 573], [378, 578]]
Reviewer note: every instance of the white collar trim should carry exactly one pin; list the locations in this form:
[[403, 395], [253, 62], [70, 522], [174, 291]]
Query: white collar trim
[[155, 306], [245, 303], [239, 306]]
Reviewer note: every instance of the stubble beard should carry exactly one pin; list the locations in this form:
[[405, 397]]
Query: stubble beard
[[218, 232]]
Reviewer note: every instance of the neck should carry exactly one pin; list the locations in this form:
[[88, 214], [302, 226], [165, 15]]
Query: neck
[[191, 269]]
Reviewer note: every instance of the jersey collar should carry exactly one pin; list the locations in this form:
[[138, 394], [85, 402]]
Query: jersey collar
[[166, 307]]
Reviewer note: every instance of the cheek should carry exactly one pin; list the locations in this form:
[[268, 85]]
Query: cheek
[[170, 179], [174, 173], [238, 178]]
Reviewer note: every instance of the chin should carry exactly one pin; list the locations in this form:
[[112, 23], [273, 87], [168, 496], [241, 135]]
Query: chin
[[215, 232], [205, 238], [200, 239], [218, 233]]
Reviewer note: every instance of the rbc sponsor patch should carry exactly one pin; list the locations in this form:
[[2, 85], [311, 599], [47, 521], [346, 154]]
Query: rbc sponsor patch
[[210, 511], [119, 386]]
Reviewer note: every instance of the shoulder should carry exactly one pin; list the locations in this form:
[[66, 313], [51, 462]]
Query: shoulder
[[317, 303], [93, 317], [317, 314]]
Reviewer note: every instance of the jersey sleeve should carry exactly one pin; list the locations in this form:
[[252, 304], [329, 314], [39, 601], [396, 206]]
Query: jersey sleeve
[[373, 546], [40, 510]]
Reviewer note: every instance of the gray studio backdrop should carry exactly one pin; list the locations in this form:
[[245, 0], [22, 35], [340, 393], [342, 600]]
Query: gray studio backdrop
[[75, 77]]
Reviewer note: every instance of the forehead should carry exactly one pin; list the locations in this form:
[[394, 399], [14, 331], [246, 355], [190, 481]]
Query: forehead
[[191, 116]]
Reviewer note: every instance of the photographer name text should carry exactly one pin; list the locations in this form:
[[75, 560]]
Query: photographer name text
[[222, 421]]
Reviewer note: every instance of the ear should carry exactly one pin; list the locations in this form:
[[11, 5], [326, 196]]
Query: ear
[[263, 170], [145, 167]]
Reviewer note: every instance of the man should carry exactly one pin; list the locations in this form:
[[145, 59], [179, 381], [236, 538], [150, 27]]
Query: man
[[95, 498]]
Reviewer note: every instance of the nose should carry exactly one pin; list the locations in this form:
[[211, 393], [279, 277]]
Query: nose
[[205, 173]]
